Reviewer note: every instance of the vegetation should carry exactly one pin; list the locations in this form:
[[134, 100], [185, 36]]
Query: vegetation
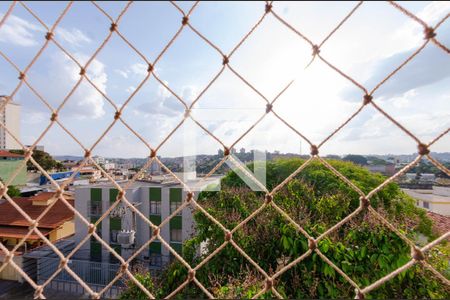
[[13, 191], [316, 199], [356, 159], [44, 159]]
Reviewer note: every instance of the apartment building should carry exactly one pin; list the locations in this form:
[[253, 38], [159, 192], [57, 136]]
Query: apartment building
[[10, 118], [155, 199]]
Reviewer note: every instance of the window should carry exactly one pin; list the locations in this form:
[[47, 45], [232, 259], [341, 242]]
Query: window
[[175, 235], [96, 208], [155, 207], [426, 205], [174, 206]]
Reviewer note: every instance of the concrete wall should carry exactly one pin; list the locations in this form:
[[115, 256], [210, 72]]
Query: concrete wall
[[9, 273], [437, 200]]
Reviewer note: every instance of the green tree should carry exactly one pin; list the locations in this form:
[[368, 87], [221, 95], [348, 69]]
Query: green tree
[[44, 159], [316, 199], [13, 191]]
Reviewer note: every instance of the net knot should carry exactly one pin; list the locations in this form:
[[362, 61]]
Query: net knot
[[33, 225], [191, 274], [312, 245], [8, 257], [54, 116], [417, 254], [269, 283], [268, 8], [185, 20], [314, 150], [190, 196], [187, 113], [367, 99], [38, 292], [228, 235], [58, 193], [269, 198], [49, 35], [95, 296], [21, 76], [113, 27], [123, 267], [225, 60], [3, 191], [87, 153], [359, 294], [423, 149], [364, 202], [269, 107], [91, 228], [226, 151], [117, 115], [153, 153], [82, 71], [28, 153], [63, 262], [150, 68], [120, 194], [156, 231], [429, 33], [316, 50]]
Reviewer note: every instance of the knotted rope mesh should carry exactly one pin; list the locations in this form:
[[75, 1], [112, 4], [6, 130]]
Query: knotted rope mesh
[[268, 10]]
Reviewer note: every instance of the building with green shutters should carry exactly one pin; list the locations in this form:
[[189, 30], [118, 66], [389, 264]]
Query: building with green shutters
[[154, 200]]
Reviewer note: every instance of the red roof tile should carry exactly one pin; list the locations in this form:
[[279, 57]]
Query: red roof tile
[[4, 153], [55, 217], [440, 223]]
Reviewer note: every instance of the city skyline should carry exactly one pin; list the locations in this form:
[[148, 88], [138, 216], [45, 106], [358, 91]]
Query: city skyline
[[316, 103]]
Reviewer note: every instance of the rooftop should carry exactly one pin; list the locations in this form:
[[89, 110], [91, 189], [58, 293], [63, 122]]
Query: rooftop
[[4, 153]]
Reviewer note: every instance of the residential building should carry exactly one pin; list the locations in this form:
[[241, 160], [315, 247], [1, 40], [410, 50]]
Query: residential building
[[56, 224], [10, 163], [155, 199], [436, 200], [10, 118], [385, 169]]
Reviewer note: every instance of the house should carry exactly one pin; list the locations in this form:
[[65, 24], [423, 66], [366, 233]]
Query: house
[[436, 200], [56, 224]]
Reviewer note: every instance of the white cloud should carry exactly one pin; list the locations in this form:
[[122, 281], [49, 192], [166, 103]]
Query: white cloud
[[139, 69], [122, 73], [130, 89], [17, 31], [75, 36]]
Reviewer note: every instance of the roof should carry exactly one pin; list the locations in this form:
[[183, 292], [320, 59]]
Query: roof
[[4, 153], [56, 216], [440, 223], [18, 232]]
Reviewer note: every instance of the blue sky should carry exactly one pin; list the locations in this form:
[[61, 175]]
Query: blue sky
[[371, 44]]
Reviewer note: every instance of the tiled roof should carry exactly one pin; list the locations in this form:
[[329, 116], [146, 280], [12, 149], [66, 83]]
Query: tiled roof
[[440, 223], [4, 153], [55, 217], [19, 232]]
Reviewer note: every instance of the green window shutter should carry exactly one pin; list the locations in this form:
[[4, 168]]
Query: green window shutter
[[96, 250], [176, 222], [96, 195], [155, 219], [178, 247], [112, 195], [115, 224], [175, 195], [154, 194], [155, 247]]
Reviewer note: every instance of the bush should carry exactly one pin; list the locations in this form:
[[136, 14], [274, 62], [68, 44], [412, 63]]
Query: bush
[[316, 199]]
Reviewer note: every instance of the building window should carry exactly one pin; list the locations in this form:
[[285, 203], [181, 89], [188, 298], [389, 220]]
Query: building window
[[175, 235], [174, 206], [426, 205], [96, 208], [155, 207], [115, 225]]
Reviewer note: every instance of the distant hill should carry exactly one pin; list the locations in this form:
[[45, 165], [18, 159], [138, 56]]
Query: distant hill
[[67, 157]]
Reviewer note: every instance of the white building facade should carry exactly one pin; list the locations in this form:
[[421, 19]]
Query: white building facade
[[436, 200], [10, 118], [154, 200]]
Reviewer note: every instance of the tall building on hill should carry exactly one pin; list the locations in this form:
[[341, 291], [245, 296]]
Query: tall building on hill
[[10, 118]]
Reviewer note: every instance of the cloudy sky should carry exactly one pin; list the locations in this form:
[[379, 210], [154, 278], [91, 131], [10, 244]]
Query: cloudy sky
[[368, 47]]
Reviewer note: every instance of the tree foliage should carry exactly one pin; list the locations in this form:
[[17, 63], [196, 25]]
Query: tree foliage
[[357, 159], [316, 199], [44, 159]]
